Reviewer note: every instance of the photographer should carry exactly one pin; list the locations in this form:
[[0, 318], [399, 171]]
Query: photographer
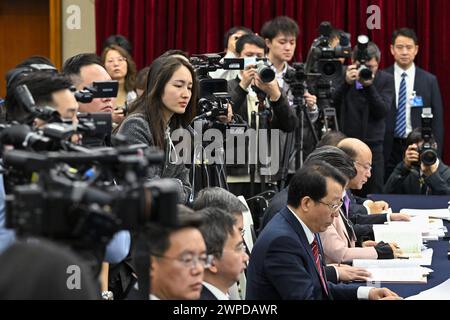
[[362, 103], [167, 104], [245, 99], [413, 176]]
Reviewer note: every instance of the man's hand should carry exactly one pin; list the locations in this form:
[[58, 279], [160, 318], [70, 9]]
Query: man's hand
[[429, 170], [411, 155], [369, 243], [229, 117], [395, 249], [400, 217], [377, 206], [349, 273], [383, 293], [272, 88], [351, 75], [117, 116], [248, 75], [311, 100]]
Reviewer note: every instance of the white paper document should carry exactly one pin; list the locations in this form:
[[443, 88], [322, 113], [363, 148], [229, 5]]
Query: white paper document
[[440, 292], [434, 213], [426, 260], [408, 274], [407, 236]]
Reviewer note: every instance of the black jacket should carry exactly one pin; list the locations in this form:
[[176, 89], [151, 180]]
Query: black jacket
[[426, 86], [362, 113], [406, 181]]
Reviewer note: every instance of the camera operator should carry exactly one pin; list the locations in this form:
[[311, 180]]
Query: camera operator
[[167, 104], [413, 176], [245, 99], [280, 35], [362, 103], [231, 37], [83, 70]]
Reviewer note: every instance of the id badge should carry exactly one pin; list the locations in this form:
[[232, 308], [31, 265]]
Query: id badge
[[416, 102]]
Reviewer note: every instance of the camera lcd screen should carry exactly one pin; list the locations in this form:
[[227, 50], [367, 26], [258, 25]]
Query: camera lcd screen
[[210, 86]]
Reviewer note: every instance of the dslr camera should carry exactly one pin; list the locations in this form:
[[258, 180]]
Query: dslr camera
[[362, 57], [428, 154]]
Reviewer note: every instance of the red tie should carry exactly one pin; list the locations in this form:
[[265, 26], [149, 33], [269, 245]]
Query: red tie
[[315, 250]]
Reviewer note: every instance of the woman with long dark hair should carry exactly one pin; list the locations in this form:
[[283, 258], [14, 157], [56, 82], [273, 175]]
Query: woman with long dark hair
[[167, 104]]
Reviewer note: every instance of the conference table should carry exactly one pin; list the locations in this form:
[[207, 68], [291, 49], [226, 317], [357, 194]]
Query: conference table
[[440, 263]]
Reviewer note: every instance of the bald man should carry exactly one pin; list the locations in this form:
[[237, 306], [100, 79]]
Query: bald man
[[360, 210]]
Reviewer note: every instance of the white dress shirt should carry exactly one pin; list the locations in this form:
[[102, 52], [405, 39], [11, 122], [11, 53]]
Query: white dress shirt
[[216, 292], [410, 76]]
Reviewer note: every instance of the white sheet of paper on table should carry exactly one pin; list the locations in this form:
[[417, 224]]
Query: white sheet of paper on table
[[440, 292]]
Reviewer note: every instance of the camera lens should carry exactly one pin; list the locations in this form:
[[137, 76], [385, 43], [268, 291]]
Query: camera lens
[[428, 157], [365, 73], [329, 69], [266, 74]]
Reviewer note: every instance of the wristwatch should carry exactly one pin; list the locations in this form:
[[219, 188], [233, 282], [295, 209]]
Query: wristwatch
[[107, 295]]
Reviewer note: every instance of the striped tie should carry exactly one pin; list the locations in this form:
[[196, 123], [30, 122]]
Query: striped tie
[[400, 121], [315, 250]]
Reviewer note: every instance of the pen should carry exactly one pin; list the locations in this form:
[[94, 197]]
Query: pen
[[402, 257]]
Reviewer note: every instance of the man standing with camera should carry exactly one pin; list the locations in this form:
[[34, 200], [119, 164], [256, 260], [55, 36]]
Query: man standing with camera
[[421, 171], [362, 102]]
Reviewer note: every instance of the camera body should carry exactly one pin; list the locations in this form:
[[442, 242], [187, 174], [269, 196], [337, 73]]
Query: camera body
[[214, 98], [428, 154], [263, 68], [99, 89]]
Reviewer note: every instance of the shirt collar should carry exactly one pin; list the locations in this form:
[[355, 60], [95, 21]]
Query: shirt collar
[[409, 72], [153, 297], [216, 292], [309, 234]]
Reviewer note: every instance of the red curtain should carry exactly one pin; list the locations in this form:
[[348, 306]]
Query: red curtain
[[198, 26]]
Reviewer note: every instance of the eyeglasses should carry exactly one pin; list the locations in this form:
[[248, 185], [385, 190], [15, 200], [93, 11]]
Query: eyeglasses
[[333, 207], [119, 59], [190, 261], [240, 248], [366, 167]]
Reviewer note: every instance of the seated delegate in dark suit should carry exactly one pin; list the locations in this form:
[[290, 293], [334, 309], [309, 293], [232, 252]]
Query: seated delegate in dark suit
[[286, 259], [412, 176]]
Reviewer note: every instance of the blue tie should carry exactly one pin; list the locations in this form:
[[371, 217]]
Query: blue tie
[[400, 121]]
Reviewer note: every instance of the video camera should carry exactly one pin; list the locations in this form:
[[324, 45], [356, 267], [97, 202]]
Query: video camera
[[98, 89], [82, 209], [428, 154], [214, 99], [324, 59]]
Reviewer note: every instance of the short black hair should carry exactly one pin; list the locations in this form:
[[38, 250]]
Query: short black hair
[[232, 31], [120, 40], [331, 138], [157, 235], [405, 32], [311, 181], [249, 39], [372, 52], [415, 137], [281, 24], [72, 66], [217, 226], [335, 157], [42, 85], [216, 197]]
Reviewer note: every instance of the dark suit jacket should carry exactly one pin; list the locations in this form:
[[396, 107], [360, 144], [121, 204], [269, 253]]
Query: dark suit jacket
[[282, 265], [206, 294], [362, 112], [405, 181], [426, 86]]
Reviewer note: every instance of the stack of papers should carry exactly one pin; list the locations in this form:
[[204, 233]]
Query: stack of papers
[[431, 228], [433, 213], [396, 270], [406, 235], [440, 292]]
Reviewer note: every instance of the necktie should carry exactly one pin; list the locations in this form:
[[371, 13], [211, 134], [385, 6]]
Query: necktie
[[400, 121], [315, 250], [346, 204]]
